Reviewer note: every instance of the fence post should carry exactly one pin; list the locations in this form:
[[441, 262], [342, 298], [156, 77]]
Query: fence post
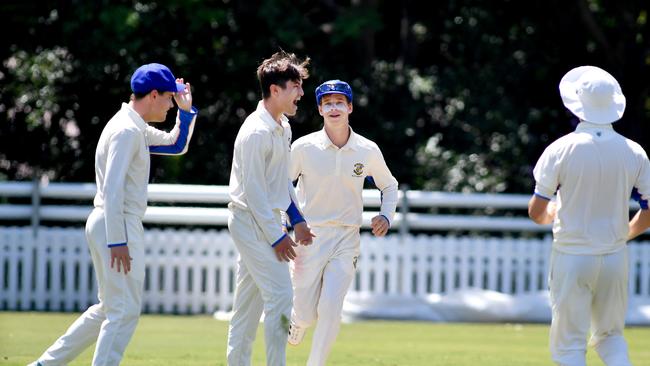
[[404, 227], [36, 204]]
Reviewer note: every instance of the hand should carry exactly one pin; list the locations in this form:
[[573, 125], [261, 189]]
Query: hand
[[284, 250], [551, 210], [121, 255], [303, 233], [184, 99], [379, 225]]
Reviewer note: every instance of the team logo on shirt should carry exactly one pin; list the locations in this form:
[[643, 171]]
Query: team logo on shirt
[[358, 169]]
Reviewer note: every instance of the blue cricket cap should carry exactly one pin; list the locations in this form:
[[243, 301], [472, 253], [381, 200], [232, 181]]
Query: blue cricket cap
[[154, 77], [333, 87]]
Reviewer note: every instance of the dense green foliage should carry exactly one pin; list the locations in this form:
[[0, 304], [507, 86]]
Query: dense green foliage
[[462, 98], [198, 340]]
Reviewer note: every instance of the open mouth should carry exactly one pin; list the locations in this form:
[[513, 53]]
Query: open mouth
[[295, 102]]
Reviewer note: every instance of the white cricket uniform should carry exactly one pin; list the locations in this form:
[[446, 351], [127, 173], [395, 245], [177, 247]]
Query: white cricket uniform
[[260, 193], [593, 170], [122, 173], [329, 192]]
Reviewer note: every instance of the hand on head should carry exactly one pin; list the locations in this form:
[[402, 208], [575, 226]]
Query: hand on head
[[184, 98]]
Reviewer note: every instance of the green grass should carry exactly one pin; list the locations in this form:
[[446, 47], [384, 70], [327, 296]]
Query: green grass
[[201, 340]]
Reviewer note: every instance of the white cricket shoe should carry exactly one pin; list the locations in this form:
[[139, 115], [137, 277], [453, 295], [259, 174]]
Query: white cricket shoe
[[296, 334]]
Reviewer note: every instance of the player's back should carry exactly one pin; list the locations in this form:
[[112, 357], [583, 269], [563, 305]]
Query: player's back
[[597, 171]]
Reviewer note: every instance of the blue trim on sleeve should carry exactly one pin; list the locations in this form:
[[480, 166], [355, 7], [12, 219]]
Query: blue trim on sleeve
[[278, 241], [180, 143], [637, 197], [387, 220], [117, 245], [294, 214], [541, 196]]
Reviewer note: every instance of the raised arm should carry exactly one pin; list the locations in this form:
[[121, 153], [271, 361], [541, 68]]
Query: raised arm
[[176, 141]]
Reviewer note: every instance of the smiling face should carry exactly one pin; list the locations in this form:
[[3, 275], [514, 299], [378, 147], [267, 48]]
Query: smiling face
[[335, 109], [289, 96]]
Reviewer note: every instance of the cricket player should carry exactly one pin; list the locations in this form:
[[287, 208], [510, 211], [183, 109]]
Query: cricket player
[[114, 228], [331, 166], [592, 170], [261, 192]]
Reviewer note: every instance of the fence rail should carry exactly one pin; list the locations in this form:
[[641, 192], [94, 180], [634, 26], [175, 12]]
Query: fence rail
[[405, 220]]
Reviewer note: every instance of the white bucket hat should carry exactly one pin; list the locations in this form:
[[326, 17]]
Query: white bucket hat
[[593, 95]]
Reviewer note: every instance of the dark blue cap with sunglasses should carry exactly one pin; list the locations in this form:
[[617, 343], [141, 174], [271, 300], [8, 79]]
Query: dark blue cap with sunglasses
[[333, 87], [154, 77]]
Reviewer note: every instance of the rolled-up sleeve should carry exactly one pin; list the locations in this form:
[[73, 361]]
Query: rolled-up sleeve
[[546, 173]]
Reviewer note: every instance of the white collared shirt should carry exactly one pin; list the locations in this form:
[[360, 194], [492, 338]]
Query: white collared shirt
[[122, 166], [259, 178], [330, 179], [595, 169]]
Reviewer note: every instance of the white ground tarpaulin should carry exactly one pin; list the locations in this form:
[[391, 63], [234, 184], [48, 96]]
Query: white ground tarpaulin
[[474, 305]]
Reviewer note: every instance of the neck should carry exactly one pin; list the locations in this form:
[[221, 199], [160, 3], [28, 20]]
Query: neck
[[140, 108], [274, 110], [596, 125], [339, 135]]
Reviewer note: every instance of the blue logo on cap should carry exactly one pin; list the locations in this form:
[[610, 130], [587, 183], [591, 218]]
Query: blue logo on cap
[[154, 77]]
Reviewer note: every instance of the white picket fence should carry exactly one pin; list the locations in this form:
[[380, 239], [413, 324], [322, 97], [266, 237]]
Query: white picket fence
[[192, 271]]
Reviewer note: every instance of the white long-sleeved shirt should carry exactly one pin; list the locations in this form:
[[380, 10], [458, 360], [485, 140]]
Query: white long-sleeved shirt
[[330, 179], [259, 178], [594, 170], [122, 164]]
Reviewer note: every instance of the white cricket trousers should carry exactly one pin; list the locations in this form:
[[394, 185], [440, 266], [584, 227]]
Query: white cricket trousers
[[588, 290], [263, 284], [322, 274], [112, 321]]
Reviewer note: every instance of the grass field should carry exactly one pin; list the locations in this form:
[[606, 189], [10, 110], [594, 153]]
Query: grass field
[[201, 340]]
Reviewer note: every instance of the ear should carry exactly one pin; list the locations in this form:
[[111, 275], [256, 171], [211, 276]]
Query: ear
[[275, 89], [350, 108], [320, 110]]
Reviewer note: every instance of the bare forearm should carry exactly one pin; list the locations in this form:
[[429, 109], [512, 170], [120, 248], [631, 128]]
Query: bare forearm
[[541, 211], [639, 223]]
